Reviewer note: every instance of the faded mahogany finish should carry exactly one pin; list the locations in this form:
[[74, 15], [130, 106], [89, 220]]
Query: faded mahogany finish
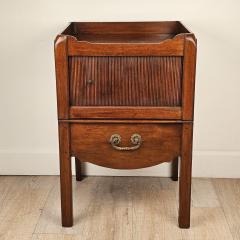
[[160, 28], [90, 142], [65, 174], [78, 169], [61, 65], [189, 66], [125, 94], [125, 81], [126, 112], [185, 176], [174, 169], [166, 48]]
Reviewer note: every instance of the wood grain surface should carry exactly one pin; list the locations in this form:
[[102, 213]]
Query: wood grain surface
[[106, 208], [126, 71], [120, 112], [125, 81], [160, 142]]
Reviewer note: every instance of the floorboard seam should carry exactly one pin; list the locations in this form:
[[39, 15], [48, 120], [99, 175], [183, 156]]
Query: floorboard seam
[[222, 208], [34, 230]]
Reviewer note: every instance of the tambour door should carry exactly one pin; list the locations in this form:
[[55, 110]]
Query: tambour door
[[125, 81]]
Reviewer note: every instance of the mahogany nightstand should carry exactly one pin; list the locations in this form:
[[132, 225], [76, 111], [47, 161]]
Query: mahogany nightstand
[[125, 95]]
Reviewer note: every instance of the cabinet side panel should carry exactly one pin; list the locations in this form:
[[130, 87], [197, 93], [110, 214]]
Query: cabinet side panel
[[125, 81]]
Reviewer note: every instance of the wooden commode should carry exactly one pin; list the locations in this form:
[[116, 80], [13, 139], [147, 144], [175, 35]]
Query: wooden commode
[[125, 94]]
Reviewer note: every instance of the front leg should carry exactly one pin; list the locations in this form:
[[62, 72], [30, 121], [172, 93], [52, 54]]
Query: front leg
[[65, 175], [185, 176]]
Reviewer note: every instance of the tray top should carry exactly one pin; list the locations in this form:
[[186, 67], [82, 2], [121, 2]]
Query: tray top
[[125, 32]]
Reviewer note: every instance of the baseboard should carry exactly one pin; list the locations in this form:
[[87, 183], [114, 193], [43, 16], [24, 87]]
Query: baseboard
[[216, 164]]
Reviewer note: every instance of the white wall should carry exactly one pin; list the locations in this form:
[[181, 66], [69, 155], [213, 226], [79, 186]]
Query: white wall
[[28, 127]]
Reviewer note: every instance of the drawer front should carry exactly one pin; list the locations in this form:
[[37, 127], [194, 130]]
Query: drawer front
[[125, 81], [141, 145]]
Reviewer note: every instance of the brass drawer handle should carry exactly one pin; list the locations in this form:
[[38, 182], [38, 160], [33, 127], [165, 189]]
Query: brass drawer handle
[[136, 140]]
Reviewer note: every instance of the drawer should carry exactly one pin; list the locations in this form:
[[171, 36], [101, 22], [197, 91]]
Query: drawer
[[125, 81], [125, 145]]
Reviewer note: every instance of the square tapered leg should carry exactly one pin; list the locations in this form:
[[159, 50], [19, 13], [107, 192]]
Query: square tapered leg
[[174, 169], [78, 170], [65, 175], [185, 176]]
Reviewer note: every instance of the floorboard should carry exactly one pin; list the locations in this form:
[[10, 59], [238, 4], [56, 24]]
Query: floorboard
[[107, 208]]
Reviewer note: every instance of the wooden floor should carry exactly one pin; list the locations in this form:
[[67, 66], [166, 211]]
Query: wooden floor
[[118, 208]]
